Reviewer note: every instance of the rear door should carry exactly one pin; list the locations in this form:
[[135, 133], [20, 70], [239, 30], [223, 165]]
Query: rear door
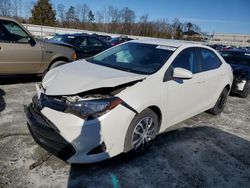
[[18, 56], [211, 76]]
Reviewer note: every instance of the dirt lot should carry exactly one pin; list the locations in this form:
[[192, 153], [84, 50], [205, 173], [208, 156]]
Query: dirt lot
[[208, 151]]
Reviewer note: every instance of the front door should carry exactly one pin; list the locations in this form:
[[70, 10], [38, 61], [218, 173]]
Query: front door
[[184, 96]]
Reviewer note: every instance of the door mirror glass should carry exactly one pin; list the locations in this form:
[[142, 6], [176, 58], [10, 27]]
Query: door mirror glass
[[181, 73]]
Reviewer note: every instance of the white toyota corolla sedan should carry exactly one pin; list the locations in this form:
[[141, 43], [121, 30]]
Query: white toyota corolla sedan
[[120, 99]]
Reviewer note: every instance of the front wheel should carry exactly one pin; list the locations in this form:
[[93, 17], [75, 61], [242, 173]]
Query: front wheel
[[220, 104], [142, 130]]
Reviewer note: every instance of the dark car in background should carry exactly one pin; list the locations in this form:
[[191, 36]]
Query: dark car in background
[[85, 45], [103, 37], [240, 63], [118, 40]]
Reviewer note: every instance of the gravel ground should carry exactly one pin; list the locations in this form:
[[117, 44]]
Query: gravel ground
[[205, 151]]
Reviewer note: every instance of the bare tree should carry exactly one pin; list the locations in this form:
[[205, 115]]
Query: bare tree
[[84, 11], [142, 29], [99, 17], [5, 8], [111, 19], [114, 14], [14, 5], [61, 12], [128, 18], [28, 7], [189, 26], [196, 28]]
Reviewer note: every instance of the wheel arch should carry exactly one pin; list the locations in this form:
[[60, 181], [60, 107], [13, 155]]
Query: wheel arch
[[228, 87], [158, 112], [65, 59]]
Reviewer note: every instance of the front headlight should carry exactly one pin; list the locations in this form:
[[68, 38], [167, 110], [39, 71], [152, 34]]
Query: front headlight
[[89, 109]]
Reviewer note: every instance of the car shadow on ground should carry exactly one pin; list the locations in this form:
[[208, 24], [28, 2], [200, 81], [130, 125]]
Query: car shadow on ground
[[17, 79], [2, 101], [187, 157]]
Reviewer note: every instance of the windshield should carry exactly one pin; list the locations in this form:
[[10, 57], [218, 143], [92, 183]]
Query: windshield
[[134, 57], [234, 57]]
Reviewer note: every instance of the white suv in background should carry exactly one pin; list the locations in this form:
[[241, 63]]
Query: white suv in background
[[120, 99]]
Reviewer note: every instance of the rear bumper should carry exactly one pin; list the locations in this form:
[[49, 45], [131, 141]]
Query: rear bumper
[[47, 135]]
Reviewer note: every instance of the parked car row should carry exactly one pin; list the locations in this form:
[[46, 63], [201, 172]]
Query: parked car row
[[240, 63], [239, 59], [84, 45], [33, 56], [87, 45]]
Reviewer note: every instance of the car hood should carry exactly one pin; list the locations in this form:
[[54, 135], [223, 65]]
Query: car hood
[[81, 76]]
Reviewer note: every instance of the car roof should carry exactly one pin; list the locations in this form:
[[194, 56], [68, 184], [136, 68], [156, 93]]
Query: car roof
[[167, 42], [8, 19], [74, 34]]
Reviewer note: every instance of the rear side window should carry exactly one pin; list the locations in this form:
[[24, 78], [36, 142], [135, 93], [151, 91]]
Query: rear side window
[[80, 42], [208, 60], [187, 60]]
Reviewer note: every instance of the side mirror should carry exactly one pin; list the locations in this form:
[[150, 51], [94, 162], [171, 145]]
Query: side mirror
[[181, 73], [32, 41]]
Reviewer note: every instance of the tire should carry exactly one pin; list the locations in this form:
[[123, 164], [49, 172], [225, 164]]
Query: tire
[[142, 131], [220, 104], [246, 90]]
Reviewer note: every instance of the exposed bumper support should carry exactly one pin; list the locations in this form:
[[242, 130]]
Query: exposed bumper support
[[47, 135]]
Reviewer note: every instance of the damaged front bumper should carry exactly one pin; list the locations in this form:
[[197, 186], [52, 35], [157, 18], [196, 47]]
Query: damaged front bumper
[[47, 135], [74, 139]]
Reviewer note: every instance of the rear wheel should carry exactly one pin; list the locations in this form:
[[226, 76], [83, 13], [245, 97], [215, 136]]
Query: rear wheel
[[142, 130], [220, 104]]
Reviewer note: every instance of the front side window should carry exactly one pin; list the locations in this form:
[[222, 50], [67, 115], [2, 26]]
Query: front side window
[[94, 42], [12, 32], [134, 57], [186, 60], [208, 59]]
